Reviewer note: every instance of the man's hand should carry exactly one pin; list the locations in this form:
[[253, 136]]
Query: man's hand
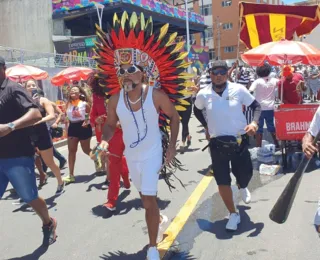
[[171, 153], [309, 149], [251, 129], [100, 120], [103, 147], [4, 130], [86, 123], [55, 125]]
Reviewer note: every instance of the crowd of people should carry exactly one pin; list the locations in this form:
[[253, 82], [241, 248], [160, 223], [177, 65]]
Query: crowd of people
[[131, 128]]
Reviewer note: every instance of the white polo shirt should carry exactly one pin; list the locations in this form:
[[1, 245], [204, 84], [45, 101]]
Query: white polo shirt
[[315, 124], [224, 113]]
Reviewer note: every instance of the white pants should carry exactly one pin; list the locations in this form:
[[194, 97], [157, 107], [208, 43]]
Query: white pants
[[145, 174]]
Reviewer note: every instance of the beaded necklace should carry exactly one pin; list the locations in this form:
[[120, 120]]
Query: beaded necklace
[[135, 144]]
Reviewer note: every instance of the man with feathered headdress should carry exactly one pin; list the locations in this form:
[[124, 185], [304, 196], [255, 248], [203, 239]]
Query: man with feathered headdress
[[144, 74]]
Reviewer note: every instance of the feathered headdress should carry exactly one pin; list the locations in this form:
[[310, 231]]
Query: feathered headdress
[[132, 40]]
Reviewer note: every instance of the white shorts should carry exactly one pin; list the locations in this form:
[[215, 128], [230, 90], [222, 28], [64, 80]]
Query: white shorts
[[145, 175]]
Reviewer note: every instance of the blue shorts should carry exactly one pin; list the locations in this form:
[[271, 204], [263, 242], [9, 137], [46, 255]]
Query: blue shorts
[[20, 173], [268, 116]]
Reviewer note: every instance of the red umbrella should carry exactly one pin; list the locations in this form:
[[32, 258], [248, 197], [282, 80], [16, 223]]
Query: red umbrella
[[23, 73], [282, 53], [71, 74]]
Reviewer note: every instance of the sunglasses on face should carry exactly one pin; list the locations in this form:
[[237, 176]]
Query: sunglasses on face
[[221, 72], [131, 70]]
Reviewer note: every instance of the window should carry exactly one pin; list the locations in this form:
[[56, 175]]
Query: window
[[206, 10], [229, 49], [226, 3], [227, 26], [212, 54], [208, 33]]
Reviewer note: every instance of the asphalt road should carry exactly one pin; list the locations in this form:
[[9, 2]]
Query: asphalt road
[[88, 231]]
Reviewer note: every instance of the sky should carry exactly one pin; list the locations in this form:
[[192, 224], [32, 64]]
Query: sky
[[291, 1]]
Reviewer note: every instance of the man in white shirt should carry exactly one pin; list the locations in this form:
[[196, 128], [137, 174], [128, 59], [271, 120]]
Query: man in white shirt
[[309, 150], [265, 91], [228, 130]]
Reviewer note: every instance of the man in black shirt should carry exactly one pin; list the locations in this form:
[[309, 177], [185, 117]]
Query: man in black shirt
[[17, 113]]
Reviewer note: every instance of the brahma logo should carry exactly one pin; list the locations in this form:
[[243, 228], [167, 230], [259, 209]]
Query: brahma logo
[[297, 127]]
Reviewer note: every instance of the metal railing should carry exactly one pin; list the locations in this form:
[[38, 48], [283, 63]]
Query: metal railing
[[43, 59]]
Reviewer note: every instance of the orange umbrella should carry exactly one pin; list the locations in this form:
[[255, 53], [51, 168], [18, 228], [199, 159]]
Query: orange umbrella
[[71, 74], [22, 73], [282, 53]]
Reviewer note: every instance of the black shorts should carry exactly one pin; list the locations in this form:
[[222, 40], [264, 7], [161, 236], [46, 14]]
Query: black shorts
[[78, 131], [241, 166], [41, 137]]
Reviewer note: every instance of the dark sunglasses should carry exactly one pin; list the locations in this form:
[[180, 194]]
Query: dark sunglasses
[[131, 70], [221, 72]]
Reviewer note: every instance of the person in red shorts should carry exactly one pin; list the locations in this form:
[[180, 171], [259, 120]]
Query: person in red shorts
[[116, 165], [291, 82]]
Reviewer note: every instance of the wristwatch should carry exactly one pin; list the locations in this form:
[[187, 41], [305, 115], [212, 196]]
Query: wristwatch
[[11, 126]]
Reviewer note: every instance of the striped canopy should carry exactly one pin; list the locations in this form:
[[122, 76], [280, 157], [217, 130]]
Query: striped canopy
[[262, 23], [282, 53]]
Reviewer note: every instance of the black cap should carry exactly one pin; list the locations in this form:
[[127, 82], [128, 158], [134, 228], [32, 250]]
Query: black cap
[[219, 64], [2, 61]]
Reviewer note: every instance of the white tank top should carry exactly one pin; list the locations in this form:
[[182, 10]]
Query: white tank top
[[77, 113], [151, 145]]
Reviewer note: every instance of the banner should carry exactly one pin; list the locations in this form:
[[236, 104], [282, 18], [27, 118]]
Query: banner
[[262, 23], [76, 51], [199, 55], [60, 6]]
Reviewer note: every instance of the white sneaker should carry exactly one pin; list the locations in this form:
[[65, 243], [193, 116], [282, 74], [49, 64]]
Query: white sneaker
[[161, 231], [234, 220], [153, 253], [317, 217], [246, 195]]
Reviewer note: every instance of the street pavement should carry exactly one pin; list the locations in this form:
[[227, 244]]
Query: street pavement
[[88, 231]]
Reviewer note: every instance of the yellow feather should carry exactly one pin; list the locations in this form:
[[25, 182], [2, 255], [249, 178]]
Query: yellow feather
[[185, 76], [172, 38], [187, 84], [178, 47], [163, 31], [150, 22], [133, 20], [184, 65], [142, 21], [180, 108], [115, 18], [123, 19], [182, 56], [183, 102]]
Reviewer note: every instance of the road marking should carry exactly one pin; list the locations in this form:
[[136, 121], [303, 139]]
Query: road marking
[[182, 217]]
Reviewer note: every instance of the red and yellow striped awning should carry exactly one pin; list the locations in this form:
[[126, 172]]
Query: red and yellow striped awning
[[262, 23]]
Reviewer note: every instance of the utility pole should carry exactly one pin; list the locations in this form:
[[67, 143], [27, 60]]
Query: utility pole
[[188, 32], [219, 37]]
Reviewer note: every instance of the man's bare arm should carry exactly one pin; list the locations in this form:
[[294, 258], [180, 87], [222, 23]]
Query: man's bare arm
[[28, 119], [112, 119], [308, 148], [163, 103]]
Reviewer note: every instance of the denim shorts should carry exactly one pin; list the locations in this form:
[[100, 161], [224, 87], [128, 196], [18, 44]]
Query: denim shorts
[[20, 173]]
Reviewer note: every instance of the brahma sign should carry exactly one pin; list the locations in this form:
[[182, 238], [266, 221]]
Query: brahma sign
[[293, 121]]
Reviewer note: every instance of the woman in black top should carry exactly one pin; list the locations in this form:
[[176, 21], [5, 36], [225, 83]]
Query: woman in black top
[[41, 137]]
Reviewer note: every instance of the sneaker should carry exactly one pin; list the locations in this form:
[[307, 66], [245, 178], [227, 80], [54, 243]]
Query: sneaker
[[110, 205], [153, 253], [234, 220], [60, 189], [161, 230], [105, 185], [49, 233], [246, 195], [62, 164], [69, 179], [183, 145], [19, 202]]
